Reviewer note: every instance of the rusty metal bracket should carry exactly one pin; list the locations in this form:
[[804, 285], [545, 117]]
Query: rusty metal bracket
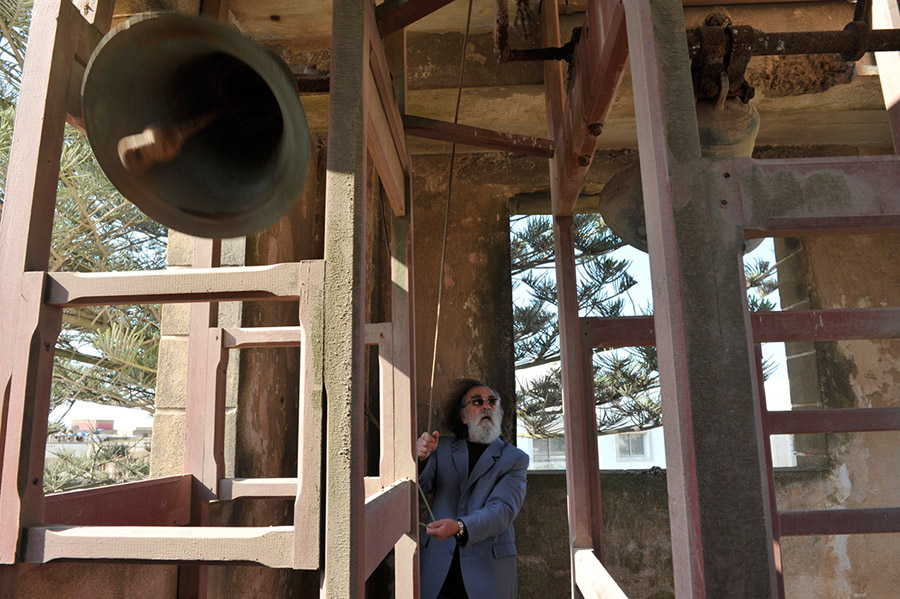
[[720, 54], [720, 51], [506, 54]]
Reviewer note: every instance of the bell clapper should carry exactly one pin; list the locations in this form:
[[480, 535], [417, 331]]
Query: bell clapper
[[159, 143]]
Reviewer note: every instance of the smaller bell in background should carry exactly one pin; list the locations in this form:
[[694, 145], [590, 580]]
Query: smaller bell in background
[[727, 130]]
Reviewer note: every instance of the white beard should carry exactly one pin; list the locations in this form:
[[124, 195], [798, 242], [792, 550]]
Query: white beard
[[485, 431]]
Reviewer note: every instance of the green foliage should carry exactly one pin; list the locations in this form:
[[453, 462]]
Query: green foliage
[[15, 18], [761, 282], [603, 282], [104, 355], [626, 382], [104, 463]]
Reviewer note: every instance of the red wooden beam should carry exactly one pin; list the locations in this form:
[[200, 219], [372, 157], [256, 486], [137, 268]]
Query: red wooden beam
[[826, 325], [237, 488], [625, 331], [385, 137], [156, 502], [239, 338], [601, 57], [840, 522], [394, 15], [847, 420], [791, 325], [579, 413], [476, 136], [386, 520], [762, 441]]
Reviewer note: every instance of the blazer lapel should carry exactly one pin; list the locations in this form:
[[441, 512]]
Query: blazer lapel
[[485, 462], [460, 453]]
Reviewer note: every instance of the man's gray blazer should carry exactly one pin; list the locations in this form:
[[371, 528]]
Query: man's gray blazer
[[487, 502]]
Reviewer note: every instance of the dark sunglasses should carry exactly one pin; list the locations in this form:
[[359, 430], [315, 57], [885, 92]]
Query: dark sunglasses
[[479, 401]]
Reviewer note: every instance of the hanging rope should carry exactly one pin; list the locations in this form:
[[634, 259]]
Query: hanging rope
[[437, 322]]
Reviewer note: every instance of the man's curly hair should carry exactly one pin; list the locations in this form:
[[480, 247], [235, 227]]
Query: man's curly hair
[[455, 406]]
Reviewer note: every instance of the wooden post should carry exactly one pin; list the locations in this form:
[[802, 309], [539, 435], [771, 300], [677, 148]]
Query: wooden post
[[201, 430], [406, 551], [204, 429], [582, 461], [406, 554], [27, 398], [345, 193], [579, 411], [718, 498], [25, 230], [308, 501]]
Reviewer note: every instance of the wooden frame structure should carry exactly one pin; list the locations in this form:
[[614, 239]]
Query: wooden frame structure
[[699, 212], [164, 520], [701, 320]]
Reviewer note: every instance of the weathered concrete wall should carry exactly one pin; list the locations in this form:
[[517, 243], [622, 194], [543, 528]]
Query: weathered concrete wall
[[638, 552], [476, 312], [850, 272]]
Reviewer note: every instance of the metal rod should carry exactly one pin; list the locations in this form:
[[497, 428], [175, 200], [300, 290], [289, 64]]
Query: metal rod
[[846, 42]]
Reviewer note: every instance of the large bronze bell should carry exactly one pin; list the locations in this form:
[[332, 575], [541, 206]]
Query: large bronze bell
[[726, 129], [196, 124]]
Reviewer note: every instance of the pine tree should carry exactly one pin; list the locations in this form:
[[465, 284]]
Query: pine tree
[[105, 355], [626, 381]]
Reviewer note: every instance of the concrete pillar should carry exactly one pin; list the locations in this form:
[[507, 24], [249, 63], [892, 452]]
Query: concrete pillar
[[476, 331]]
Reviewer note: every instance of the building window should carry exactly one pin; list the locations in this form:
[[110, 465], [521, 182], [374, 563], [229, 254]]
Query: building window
[[632, 446], [548, 454]]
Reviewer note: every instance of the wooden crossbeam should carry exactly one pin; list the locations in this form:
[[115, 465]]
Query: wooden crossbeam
[[387, 519], [237, 488], [242, 338], [269, 546], [372, 485], [839, 522], [476, 136], [768, 327], [385, 137], [89, 37], [576, 118], [592, 578], [394, 15], [847, 420], [156, 502], [278, 281]]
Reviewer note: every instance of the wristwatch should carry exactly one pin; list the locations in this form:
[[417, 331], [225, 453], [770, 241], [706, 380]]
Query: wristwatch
[[462, 530]]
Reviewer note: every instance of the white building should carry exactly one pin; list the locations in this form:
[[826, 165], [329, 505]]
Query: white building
[[637, 450]]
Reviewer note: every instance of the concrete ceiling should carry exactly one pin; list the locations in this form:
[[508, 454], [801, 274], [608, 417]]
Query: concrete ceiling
[[803, 101]]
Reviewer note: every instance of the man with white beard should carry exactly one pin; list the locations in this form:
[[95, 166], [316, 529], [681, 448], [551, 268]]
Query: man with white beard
[[478, 481]]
